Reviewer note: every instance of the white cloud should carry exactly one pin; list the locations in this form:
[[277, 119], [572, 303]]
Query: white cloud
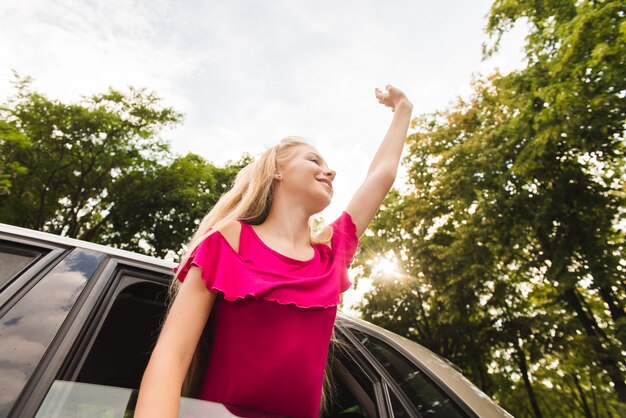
[[74, 48], [248, 73]]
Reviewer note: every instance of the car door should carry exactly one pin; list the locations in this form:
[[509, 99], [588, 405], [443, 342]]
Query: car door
[[109, 345], [409, 388], [41, 283]]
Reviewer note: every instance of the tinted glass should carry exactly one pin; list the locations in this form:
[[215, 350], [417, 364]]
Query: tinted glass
[[399, 411], [135, 319], [29, 326], [353, 392], [84, 400], [12, 261], [70, 399], [427, 398]]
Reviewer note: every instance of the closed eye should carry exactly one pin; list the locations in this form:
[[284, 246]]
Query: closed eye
[[316, 159]]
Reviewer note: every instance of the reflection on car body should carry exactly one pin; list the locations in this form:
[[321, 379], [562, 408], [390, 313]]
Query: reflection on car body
[[78, 322]]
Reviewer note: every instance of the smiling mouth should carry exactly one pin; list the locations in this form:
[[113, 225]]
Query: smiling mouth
[[327, 183]]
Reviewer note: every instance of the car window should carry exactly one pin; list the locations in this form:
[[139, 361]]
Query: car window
[[134, 315], [352, 390], [29, 326], [399, 410], [85, 400], [13, 260], [423, 393]]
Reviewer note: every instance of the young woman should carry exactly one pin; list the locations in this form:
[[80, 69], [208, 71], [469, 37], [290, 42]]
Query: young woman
[[262, 286]]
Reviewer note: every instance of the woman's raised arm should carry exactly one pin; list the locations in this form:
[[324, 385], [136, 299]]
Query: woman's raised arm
[[384, 167]]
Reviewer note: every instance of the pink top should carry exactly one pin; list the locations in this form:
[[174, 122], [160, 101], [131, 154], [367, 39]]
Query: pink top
[[272, 320]]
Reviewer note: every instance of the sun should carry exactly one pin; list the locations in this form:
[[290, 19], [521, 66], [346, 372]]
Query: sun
[[385, 265]]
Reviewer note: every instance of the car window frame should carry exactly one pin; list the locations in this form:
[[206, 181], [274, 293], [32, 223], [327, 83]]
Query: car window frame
[[390, 382], [29, 276], [14, 249], [42, 377], [355, 354], [126, 275], [408, 406], [57, 362], [383, 377]]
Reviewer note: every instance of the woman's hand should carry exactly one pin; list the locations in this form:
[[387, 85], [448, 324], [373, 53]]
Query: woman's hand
[[392, 98]]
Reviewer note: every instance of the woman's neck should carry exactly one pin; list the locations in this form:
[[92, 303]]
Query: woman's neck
[[286, 226]]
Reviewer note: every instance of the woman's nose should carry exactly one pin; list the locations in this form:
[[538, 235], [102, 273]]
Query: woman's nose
[[330, 174]]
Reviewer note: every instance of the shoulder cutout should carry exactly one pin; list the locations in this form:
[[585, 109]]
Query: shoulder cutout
[[232, 232], [325, 234]]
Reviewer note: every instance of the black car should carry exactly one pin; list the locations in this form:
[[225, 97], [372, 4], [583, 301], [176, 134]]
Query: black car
[[78, 322]]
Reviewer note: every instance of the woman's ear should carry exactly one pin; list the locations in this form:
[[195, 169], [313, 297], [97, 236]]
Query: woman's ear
[[278, 176]]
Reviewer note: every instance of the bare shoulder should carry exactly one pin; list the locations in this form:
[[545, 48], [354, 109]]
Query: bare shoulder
[[325, 236], [231, 230]]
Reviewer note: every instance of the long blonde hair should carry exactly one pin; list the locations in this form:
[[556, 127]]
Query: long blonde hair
[[249, 200]]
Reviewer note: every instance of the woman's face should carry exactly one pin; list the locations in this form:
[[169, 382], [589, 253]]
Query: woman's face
[[307, 178]]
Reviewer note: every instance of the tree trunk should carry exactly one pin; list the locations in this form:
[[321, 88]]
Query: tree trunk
[[583, 399], [606, 356], [617, 313], [523, 367]]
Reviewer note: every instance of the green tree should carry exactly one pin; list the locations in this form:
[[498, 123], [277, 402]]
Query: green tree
[[98, 170], [10, 138], [510, 238], [173, 199], [74, 152], [573, 153]]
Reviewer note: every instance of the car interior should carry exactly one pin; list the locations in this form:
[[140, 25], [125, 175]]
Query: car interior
[[120, 349]]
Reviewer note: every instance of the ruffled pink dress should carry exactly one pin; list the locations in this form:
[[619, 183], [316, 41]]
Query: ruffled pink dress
[[272, 320]]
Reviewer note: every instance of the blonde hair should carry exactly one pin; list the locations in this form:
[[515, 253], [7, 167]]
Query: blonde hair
[[249, 200]]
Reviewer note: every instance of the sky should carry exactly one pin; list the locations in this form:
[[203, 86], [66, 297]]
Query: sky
[[247, 73]]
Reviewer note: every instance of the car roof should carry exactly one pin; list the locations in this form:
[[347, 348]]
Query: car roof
[[443, 369], [73, 242]]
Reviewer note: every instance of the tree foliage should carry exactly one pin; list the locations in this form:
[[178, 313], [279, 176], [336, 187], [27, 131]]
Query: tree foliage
[[511, 235], [177, 196], [98, 170], [10, 137]]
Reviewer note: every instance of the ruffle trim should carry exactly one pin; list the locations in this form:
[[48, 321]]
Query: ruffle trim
[[235, 297], [225, 271]]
